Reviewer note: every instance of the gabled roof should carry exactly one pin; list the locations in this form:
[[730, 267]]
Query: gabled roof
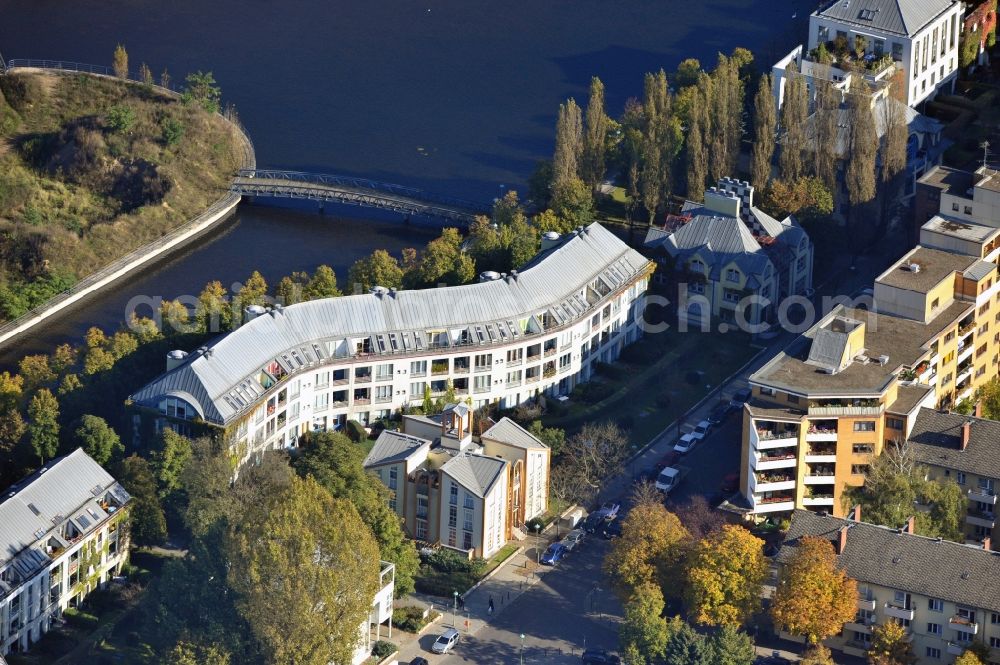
[[67, 488], [721, 239], [899, 17], [476, 473], [392, 447], [936, 439], [963, 574], [509, 432], [224, 381]]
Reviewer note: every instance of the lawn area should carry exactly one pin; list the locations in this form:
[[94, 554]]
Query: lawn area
[[446, 571], [656, 380], [506, 552]]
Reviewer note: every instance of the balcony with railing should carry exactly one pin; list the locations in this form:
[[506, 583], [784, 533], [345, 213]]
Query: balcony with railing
[[983, 518], [461, 365], [823, 452], [845, 407], [775, 435], [774, 459], [439, 366], [900, 610], [363, 375], [964, 623], [820, 474], [957, 648], [983, 495], [866, 601], [362, 396], [821, 495], [822, 430], [773, 503], [773, 481]]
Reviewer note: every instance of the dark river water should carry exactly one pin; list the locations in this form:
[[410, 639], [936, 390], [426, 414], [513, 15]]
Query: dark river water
[[456, 97]]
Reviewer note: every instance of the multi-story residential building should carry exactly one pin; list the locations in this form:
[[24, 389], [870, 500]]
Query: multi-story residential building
[[380, 614], [972, 197], [60, 538], [909, 44], [946, 595], [726, 249], [825, 405], [506, 339], [465, 494], [964, 449]]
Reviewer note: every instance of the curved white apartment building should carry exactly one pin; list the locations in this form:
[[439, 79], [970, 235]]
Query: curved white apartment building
[[506, 339]]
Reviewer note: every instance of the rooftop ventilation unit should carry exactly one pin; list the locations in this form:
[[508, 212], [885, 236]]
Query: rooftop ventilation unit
[[883, 359], [914, 267]]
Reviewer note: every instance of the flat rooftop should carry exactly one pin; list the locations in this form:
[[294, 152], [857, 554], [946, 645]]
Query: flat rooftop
[[934, 266], [902, 340], [907, 398], [955, 182], [990, 179], [954, 228]]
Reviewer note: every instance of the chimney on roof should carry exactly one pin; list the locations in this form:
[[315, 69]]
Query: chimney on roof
[[909, 526], [842, 539], [856, 513], [978, 413], [987, 543], [966, 431]]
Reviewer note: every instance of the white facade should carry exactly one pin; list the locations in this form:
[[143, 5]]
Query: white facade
[[927, 51], [315, 365], [980, 205], [61, 539], [381, 613], [470, 522]]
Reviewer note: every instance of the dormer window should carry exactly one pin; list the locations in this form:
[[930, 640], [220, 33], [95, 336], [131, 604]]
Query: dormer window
[[732, 275]]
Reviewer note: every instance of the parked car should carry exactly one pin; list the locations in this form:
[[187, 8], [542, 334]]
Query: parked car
[[611, 530], [419, 660], [739, 399], [445, 641], [552, 555], [701, 429], [685, 444], [608, 510], [668, 459], [600, 657], [573, 538], [593, 522], [719, 414], [668, 479]]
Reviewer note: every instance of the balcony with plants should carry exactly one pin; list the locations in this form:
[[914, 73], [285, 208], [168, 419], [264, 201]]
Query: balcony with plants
[[773, 481], [439, 366], [821, 430], [983, 518], [820, 474], [845, 407], [821, 495], [771, 434], [845, 58], [781, 458]]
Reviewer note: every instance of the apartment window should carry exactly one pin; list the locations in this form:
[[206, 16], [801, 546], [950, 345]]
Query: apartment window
[[453, 495], [696, 287], [822, 34], [967, 210], [418, 388], [897, 51], [383, 393], [421, 529], [452, 537], [467, 540], [393, 478], [731, 296], [697, 266], [864, 426], [793, 399], [933, 652], [954, 207], [994, 618], [418, 368], [732, 275], [469, 503], [934, 628], [995, 642], [467, 521], [963, 637], [322, 401], [862, 449], [322, 379], [452, 516], [859, 469], [894, 423], [767, 391], [960, 478], [484, 361], [383, 372], [515, 356]]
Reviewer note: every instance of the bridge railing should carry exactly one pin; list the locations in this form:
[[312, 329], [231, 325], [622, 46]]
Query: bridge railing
[[333, 180]]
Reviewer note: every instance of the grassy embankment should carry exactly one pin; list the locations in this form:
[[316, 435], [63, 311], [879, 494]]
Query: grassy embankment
[[92, 168]]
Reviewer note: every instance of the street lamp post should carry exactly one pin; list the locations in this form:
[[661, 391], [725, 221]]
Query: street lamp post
[[454, 610], [538, 542], [522, 648]]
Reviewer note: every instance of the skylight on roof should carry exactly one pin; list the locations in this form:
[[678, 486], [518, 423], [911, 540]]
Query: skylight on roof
[[867, 14]]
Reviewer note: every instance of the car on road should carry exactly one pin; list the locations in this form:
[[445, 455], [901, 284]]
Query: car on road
[[552, 555], [573, 539], [701, 429], [719, 414], [685, 444], [445, 641], [739, 399], [419, 660], [600, 657], [668, 479]]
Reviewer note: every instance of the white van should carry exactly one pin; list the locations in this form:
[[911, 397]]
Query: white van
[[668, 479]]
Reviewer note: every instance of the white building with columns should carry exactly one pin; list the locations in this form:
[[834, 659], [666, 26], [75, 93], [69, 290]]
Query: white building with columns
[[317, 364], [60, 538]]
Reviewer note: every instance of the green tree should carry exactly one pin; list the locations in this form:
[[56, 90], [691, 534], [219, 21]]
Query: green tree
[[43, 424], [119, 62], [949, 504], [120, 118], [379, 269], [35, 370], [968, 49], [444, 261], [290, 288], [643, 634], [892, 162], [553, 437], [188, 653], [793, 115], [12, 429], [731, 646], [685, 646], [97, 358], [862, 149], [145, 74], [697, 155], [890, 646], [122, 344], [660, 143], [69, 383], [764, 124], [726, 109], [148, 524], [573, 202], [205, 480], [63, 358], [98, 439], [323, 284], [253, 292], [540, 183], [688, 73], [814, 598], [337, 464], [213, 313], [650, 550], [168, 461], [826, 132], [725, 576], [202, 90], [988, 396], [593, 164], [569, 145], [310, 555]]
